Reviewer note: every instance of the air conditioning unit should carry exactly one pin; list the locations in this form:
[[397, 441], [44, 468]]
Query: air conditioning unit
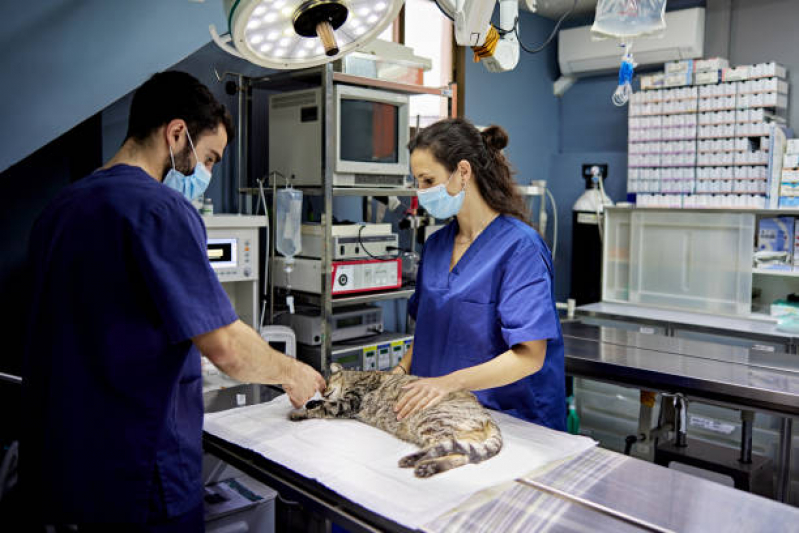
[[684, 38]]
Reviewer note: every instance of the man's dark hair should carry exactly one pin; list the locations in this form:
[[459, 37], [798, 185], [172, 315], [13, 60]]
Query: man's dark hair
[[176, 95]]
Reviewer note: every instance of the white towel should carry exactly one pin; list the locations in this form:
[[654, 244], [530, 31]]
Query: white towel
[[360, 462]]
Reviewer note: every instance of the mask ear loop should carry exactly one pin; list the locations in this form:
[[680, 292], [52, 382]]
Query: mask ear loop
[[192, 146], [171, 154]]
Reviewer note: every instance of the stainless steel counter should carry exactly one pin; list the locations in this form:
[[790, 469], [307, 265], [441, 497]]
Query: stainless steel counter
[[755, 328], [736, 377]]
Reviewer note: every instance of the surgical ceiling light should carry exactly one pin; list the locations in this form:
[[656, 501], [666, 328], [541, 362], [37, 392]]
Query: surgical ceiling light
[[291, 34]]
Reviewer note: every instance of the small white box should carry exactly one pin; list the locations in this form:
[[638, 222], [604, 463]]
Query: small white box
[[713, 63], [652, 81], [709, 77], [790, 161], [679, 67], [678, 79], [736, 74]]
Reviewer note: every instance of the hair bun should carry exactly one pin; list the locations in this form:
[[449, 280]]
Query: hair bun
[[495, 137]]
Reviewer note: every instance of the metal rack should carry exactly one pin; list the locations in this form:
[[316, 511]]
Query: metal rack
[[324, 77]]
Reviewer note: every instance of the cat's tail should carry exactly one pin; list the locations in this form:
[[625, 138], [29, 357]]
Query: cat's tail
[[481, 444], [466, 447], [477, 444]]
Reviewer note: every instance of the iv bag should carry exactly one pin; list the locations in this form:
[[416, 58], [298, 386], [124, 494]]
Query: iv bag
[[288, 240], [629, 18]]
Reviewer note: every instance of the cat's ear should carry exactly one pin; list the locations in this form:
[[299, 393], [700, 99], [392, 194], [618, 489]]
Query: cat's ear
[[335, 368]]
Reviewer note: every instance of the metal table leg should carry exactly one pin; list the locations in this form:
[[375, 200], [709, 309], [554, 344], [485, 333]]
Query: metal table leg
[[784, 452], [747, 421]]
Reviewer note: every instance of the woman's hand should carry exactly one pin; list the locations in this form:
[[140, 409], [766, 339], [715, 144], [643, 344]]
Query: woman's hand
[[424, 393]]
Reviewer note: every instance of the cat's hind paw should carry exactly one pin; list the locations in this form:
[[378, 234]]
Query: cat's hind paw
[[410, 460], [298, 414], [427, 469]]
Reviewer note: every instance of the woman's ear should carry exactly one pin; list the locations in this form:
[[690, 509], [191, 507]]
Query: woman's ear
[[464, 170]]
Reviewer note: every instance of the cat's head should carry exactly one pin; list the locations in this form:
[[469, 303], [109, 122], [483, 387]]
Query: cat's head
[[342, 381], [336, 383]]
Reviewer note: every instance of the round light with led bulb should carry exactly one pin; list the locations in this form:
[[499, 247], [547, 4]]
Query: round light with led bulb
[[346, 25]]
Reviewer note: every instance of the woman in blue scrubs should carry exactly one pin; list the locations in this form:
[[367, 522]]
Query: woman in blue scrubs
[[484, 303]]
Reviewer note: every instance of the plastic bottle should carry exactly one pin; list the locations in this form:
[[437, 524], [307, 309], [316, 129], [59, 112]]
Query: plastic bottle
[[208, 207], [288, 240], [573, 419]]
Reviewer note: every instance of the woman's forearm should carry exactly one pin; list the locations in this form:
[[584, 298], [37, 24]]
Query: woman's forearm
[[518, 362], [405, 362]]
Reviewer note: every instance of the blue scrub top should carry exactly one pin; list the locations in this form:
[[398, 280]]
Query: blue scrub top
[[112, 381], [499, 294]]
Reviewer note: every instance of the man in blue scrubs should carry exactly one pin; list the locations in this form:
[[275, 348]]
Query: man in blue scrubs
[[484, 303], [123, 302]]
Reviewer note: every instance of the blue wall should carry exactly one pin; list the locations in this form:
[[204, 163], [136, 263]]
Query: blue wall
[[65, 60], [592, 130], [521, 101], [550, 137], [201, 64]]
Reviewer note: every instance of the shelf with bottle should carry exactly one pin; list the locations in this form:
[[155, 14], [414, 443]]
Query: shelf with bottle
[[345, 191]]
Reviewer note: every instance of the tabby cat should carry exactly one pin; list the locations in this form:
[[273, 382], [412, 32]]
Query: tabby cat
[[452, 433]]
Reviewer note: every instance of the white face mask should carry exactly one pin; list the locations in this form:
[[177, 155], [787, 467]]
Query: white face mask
[[192, 186], [438, 202]]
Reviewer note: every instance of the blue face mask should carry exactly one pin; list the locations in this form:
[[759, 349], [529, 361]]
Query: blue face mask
[[438, 202], [192, 186]]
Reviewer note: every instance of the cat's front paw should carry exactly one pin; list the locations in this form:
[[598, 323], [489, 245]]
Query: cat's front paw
[[298, 414], [313, 403]]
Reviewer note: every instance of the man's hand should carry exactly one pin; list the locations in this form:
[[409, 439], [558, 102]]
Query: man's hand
[[424, 393], [304, 383]]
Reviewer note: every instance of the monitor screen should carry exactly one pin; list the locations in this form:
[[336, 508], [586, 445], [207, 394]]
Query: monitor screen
[[369, 131], [280, 346], [222, 253]]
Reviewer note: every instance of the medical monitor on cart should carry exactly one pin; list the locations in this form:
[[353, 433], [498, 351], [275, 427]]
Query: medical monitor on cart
[[370, 137]]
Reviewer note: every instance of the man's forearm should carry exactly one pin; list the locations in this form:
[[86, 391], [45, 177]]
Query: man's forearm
[[254, 361]]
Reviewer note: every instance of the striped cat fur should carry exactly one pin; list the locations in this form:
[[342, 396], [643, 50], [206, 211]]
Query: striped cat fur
[[452, 433]]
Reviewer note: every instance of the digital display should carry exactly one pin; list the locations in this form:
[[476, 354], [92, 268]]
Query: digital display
[[369, 131], [222, 253], [349, 322], [348, 359], [278, 345]]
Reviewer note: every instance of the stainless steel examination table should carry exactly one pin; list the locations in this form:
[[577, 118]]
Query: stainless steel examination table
[[601, 490]]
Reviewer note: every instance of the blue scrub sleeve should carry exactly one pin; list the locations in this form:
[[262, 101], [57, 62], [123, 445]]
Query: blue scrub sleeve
[[413, 301], [526, 307], [170, 245]]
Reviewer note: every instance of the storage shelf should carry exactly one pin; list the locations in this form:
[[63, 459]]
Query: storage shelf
[[407, 88], [756, 211], [342, 191], [304, 298], [386, 337], [372, 297], [312, 76], [361, 191], [779, 273]]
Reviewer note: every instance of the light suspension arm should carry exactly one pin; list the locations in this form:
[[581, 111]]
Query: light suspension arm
[[497, 48]]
